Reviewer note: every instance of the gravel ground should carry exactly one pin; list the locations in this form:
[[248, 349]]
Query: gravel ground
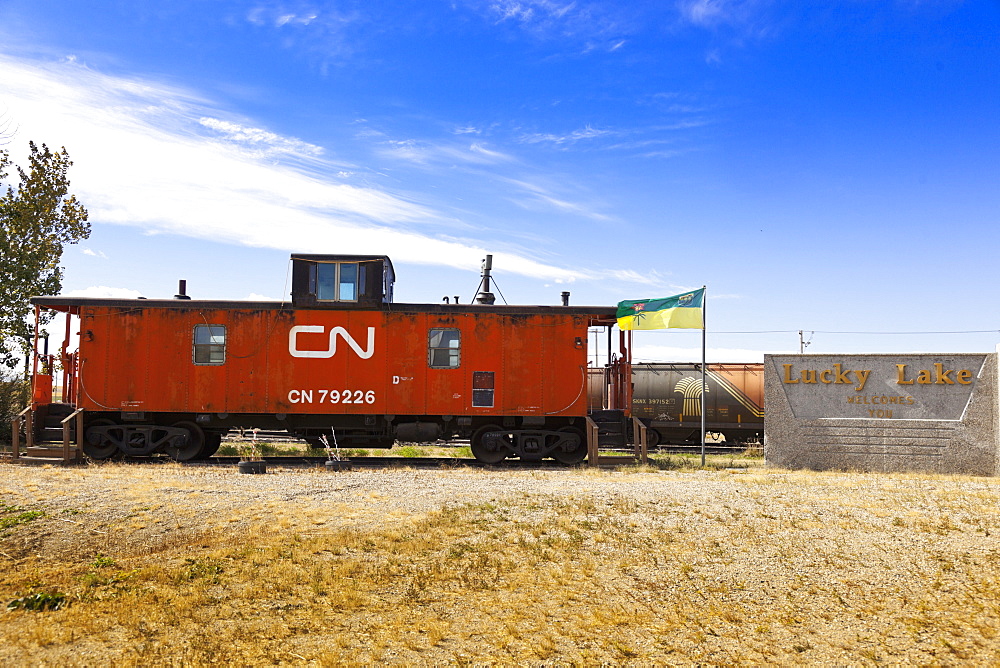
[[762, 566], [192, 498]]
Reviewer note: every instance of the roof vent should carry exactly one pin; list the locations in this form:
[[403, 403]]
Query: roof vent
[[182, 290]]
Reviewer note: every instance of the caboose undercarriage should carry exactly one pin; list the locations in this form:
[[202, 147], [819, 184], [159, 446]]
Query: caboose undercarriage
[[187, 437]]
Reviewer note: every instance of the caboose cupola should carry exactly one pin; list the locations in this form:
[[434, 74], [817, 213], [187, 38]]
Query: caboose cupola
[[363, 280]]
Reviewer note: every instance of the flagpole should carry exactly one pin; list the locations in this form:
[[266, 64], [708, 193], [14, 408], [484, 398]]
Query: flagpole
[[704, 304]]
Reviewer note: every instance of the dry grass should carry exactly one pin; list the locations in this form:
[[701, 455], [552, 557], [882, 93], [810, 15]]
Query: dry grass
[[567, 567]]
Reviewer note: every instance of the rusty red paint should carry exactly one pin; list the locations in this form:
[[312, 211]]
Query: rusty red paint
[[141, 358]]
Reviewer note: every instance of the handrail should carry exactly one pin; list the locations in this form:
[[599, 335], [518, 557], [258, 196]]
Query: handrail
[[15, 433], [592, 431], [640, 434], [65, 422], [640, 438]]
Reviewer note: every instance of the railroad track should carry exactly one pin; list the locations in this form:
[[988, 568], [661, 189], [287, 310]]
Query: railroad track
[[304, 461], [282, 437], [443, 462], [383, 462], [709, 449]]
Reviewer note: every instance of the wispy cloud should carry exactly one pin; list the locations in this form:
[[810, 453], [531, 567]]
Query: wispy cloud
[[636, 140], [664, 154], [92, 253], [301, 19], [327, 34], [263, 141], [490, 154], [746, 17], [583, 134], [529, 11], [587, 26], [142, 159], [538, 194], [705, 12], [656, 283], [279, 16], [480, 160], [570, 207], [426, 152], [593, 27], [650, 277]]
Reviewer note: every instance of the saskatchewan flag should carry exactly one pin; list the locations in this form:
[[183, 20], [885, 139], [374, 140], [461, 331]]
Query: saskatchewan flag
[[680, 311]]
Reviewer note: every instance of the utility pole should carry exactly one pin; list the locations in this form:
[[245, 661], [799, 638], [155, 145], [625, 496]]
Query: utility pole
[[802, 342]]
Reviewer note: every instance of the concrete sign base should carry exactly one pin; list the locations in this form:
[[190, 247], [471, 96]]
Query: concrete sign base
[[887, 413]]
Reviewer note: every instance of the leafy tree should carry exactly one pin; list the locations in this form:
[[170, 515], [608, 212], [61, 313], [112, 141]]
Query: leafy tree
[[37, 218], [13, 397]]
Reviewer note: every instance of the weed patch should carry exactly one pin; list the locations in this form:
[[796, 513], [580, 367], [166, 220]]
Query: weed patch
[[13, 516], [38, 602]]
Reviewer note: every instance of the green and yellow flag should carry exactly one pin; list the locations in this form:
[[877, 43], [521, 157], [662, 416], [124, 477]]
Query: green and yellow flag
[[680, 311]]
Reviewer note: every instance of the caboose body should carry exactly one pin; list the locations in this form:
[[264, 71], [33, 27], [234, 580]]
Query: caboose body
[[340, 360]]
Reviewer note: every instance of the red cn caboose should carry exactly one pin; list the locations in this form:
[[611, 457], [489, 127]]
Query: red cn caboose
[[174, 375]]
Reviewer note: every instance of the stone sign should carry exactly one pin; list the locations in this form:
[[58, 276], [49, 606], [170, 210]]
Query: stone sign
[[934, 413]]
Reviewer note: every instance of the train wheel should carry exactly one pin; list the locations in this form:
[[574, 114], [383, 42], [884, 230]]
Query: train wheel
[[652, 437], [574, 447], [490, 444], [213, 440], [97, 445], [192, 448]]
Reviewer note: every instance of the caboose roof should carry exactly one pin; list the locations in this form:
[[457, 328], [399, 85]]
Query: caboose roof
[[312, 257], [601, 313]]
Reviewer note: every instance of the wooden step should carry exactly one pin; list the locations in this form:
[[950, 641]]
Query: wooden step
[[50, 453], [617, 459], [52, 461], [52, 449]]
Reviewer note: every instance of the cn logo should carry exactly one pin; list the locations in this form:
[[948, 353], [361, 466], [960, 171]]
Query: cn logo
[[363, 353]]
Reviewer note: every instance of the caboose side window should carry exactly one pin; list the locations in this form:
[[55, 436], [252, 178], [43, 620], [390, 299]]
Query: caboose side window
[[335, 281], [209, 345], [443, 348]]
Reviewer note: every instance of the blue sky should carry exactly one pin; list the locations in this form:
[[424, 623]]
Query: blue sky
[[824, 166]]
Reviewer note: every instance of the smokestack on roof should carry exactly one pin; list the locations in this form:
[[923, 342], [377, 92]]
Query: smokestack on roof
[[485, 296], [182, 290]]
